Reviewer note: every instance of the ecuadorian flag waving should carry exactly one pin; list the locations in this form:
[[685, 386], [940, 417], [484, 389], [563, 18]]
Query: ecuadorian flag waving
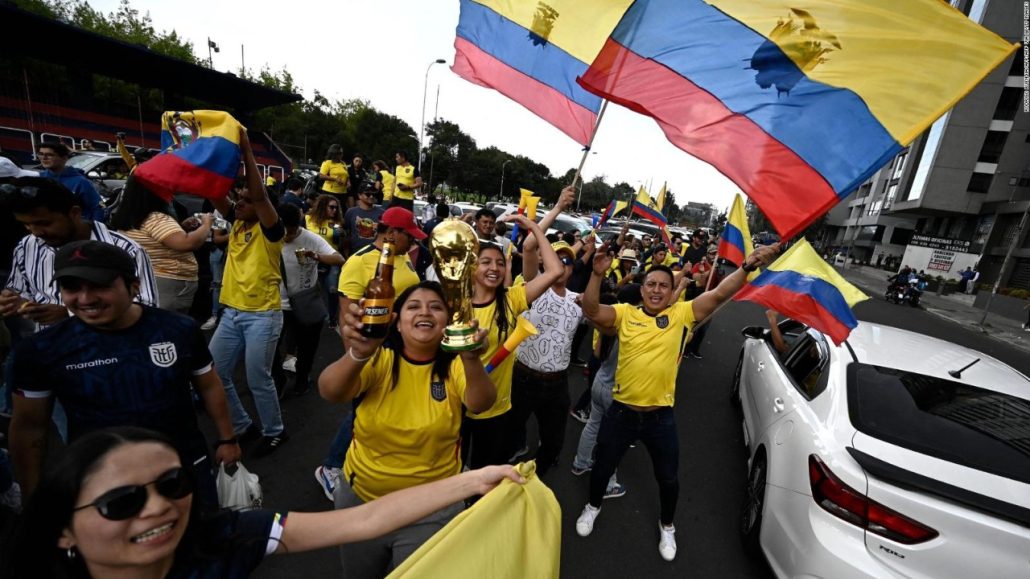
[[735, 241], [200, 155], [801, 285]]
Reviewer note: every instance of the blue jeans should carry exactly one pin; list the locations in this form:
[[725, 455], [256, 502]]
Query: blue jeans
[[622, 425], [332, 283], [341, 442], [217, 259], [253, 335]]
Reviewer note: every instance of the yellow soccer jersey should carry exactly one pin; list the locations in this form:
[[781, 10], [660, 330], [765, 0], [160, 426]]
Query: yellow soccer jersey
[[405, 174], [251, 279], [649, 351], [501, 376], [388, 184], [360, 268], [406, 432], [323, 229], [338, 170]]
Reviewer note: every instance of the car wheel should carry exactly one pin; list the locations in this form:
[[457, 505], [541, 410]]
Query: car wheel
[[735, 385], [753, 505]]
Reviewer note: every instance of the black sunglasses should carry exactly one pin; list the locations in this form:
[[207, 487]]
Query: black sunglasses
[[26, 191], [126, 502], [567, 261]]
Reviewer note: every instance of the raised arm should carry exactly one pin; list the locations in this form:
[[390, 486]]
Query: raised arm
[[340, 381], [553, 267], [258, 196], [707, 302], [603, 316], [565, 199], [480, 392]]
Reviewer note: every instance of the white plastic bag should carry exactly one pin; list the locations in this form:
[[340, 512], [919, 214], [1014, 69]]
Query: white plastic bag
[[239, 490]]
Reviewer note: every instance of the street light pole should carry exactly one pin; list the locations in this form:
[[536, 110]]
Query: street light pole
[[421, 131], [500, 193]]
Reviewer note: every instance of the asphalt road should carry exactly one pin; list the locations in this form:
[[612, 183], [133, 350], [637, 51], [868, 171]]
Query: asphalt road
[[625, 538]]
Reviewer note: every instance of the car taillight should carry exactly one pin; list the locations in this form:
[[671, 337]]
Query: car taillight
[[846, 503]]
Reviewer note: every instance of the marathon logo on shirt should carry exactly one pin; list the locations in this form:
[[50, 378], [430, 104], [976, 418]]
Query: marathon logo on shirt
[[91, 364], [662, 321], [438, 391], [163, 354]]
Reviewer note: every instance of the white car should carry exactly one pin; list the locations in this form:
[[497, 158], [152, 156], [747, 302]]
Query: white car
[[892, 455]]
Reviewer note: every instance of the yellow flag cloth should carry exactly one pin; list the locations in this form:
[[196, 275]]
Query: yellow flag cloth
[[513, 532]]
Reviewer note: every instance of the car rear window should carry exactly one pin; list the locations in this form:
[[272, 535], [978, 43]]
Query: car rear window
[[962, 424]]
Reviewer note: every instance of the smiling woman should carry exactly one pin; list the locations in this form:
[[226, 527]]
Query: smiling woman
[[406, 429], [119, 503]]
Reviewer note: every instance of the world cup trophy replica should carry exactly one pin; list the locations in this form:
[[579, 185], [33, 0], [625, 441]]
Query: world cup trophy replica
[[455, 249]]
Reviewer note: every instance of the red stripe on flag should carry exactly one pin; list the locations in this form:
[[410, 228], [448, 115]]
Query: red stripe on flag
[[801, 307], [167, 174], [789, 191], [480, 68]]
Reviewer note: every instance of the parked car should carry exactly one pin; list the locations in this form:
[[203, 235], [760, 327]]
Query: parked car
[[892, 455]]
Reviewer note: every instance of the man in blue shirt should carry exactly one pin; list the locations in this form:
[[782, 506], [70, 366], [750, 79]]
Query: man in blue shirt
[[115, 363], [54, 158]]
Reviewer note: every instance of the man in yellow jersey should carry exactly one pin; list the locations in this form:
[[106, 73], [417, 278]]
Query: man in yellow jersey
[[333, 173], [396, 226], [649, 338], [384, 183], [252, 317], [407, 181]]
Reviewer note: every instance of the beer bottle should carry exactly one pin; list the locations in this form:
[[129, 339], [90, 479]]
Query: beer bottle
[[379, 297]]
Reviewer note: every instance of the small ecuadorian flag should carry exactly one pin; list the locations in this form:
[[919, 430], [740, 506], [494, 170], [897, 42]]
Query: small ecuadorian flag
[[200, 155]]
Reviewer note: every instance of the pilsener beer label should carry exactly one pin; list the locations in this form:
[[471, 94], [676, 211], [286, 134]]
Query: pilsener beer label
[[377, 312]]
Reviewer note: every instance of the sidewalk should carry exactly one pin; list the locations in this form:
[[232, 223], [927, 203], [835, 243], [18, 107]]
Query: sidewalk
[[957, 308]]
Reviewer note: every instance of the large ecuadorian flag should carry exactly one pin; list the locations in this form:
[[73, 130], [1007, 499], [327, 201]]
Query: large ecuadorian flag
[[802, 286], [532, 52], [797, 103], [200, 155]]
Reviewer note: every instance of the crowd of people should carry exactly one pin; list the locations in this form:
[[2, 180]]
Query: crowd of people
[[104, 350]]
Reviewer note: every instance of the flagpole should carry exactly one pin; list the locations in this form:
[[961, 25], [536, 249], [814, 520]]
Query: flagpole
[[586, 150]]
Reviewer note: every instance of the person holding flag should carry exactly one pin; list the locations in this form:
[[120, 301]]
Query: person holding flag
[[644, 392]]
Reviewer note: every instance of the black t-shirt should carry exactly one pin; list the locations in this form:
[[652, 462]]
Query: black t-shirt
[[139, 376], [241, 541], [694, 255]]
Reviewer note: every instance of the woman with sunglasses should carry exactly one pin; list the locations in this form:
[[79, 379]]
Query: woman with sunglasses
[[488, 434], [119, 503], [325, 219], [406, 429]]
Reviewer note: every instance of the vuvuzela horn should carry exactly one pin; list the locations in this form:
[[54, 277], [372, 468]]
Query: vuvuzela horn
[[523, 329]]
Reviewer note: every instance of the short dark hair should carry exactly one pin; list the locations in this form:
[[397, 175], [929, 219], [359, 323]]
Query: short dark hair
[[403, 155], [662, 268], [291, 215], [484, 212], [48, 194], [61, 149], [293, 183], [443, 211]]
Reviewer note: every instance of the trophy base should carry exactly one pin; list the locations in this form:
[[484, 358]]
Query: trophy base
[[459, 339]]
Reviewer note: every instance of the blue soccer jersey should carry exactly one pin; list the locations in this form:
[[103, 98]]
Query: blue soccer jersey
[[139, 376]]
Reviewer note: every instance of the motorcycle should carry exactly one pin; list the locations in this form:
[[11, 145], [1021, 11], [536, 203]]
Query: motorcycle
[[913, 292]]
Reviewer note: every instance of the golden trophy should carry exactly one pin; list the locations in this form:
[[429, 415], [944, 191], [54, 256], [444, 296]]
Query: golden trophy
[[455, 249]]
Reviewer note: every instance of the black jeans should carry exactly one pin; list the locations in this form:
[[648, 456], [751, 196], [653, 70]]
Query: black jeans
[[303, 340], [486, 441], [657, 430], [548, 398]]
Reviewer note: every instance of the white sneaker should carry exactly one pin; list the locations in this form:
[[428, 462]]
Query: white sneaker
[[585, 522], [328, 479], [290, 364], [210, 323], [667, 544]]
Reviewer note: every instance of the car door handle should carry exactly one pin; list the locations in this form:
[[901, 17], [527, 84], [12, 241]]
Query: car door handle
[[761, 366], [778, 405]]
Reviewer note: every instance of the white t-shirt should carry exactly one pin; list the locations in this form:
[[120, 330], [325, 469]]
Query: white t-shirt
[[301, 277], [555, 318]]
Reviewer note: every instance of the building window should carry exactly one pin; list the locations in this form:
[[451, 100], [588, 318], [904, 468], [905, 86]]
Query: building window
[[979, 183], [1017, 66], [899, 165], [874, 207], [994, 143], [1008, 104], [892, 191], [901, 236]]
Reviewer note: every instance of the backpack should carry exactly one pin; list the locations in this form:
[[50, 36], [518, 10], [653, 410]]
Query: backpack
[[313, 187]]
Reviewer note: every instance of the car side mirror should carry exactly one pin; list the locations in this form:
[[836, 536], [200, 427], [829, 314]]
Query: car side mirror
[[93, 175], [756, 332]]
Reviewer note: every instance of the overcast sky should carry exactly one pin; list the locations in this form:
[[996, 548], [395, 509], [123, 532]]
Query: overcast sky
[[379, 50]]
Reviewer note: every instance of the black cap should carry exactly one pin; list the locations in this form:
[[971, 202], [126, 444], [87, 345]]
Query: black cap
[[94, 261]]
